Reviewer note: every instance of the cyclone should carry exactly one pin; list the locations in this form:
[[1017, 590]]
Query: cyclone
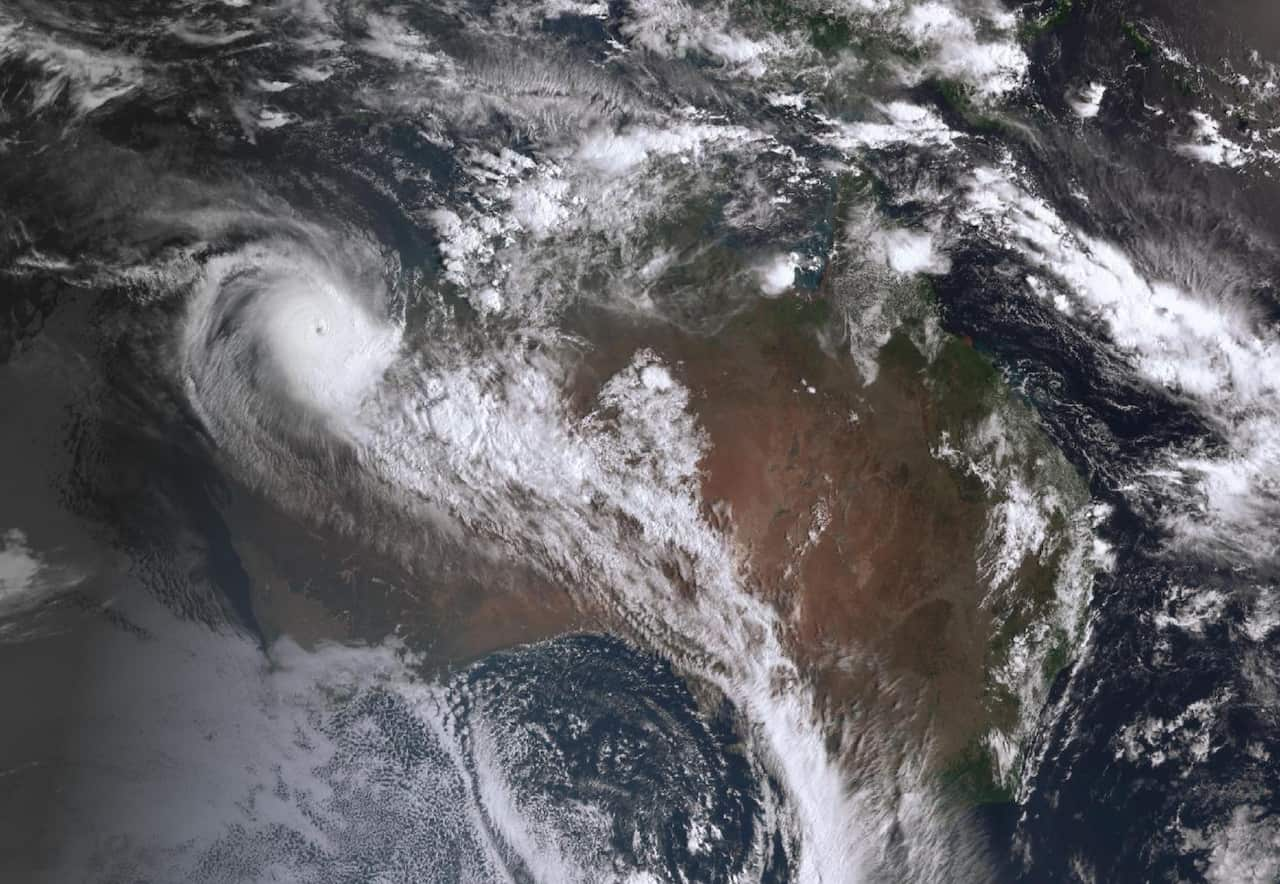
[[276, 342]]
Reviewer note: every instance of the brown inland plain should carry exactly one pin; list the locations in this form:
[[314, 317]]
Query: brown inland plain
[[863, 541]]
